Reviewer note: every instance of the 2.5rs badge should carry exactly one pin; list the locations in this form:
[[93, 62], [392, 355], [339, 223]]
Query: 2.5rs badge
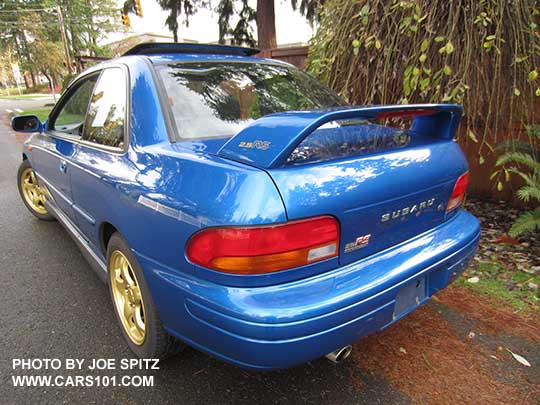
[[359, 243]]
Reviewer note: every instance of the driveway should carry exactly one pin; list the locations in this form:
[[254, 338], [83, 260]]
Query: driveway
[[454, 349]]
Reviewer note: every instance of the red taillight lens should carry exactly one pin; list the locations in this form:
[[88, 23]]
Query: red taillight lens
[[458, 194], [265, 249]]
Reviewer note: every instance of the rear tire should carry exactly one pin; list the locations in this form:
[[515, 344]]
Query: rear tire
[[133, 305], [32, 194]]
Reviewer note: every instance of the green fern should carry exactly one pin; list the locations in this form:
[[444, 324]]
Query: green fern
[[519, 158], [522, 159], [528, 193], [533, 131], [528, 221], [516, 145], [531, 180]]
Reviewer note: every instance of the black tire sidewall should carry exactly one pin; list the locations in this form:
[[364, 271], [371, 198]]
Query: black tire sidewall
[[152, 322]]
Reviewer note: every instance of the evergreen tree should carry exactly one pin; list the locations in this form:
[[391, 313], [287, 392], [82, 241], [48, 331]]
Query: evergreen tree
[[226, 9]]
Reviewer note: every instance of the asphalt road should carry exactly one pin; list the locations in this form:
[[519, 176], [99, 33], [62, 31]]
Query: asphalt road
[[53, 306]]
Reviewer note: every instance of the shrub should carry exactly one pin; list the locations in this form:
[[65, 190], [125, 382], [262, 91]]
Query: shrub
[[523, 159], [40, 88], [66, 80], [484, 54]]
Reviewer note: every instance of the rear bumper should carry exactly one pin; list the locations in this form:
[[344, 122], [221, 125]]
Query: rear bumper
[[284, 325]]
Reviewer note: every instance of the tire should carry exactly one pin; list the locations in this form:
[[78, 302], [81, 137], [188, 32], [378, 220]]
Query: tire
[[32, 194], [154, 342]]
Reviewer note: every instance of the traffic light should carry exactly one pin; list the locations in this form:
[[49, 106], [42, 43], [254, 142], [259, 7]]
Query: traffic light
[[138, 8], [125, 19]]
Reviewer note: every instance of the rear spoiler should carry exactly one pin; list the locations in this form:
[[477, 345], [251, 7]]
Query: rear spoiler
[[268, 142]]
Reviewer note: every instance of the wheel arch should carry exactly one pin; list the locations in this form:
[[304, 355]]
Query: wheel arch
[[106, 230]]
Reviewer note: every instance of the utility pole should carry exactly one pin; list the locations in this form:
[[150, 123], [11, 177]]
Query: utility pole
[[64, 39]]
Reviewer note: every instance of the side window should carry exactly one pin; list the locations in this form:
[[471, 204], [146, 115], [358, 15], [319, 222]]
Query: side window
[[104, 123], [71, 116]]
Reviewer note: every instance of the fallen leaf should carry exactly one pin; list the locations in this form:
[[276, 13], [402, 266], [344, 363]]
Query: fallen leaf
[[198, 372], [519, 359], [506, 239], [473, 280], [427, 362]]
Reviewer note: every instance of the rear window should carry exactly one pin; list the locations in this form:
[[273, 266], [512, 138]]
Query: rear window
[[344, 138], [218, 99]]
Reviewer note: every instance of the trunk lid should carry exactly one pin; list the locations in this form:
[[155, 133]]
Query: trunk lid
[[384, 185], [380, 200]]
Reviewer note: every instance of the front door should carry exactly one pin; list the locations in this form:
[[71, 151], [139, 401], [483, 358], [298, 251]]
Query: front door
[[54, 149]]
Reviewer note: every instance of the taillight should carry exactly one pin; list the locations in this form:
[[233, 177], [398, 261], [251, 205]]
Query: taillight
[[265, 249], [458, 194]]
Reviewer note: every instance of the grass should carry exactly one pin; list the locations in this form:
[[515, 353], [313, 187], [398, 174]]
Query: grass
[[42, 114], [507, 285], [22, 96]]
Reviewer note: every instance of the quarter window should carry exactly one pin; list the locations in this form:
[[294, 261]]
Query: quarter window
[[70, 118], [104, 122]]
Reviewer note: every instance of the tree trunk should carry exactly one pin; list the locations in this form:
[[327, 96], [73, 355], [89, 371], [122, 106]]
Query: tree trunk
[[92, 31], [19, 53], [73, 40], [175, 13], [51, 84], [266, 24], [222, 33], [25, 44], [73, 32]]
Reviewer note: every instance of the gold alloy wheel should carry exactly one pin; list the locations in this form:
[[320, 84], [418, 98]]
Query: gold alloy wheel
[[33, 194], [127, 297]]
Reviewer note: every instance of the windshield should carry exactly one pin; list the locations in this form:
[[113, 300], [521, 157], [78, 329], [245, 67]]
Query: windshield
[[218, 99]]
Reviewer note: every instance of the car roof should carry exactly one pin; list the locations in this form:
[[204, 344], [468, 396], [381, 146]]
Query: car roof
[[149, 48], [162, 52], [167, 52], [167, 58]]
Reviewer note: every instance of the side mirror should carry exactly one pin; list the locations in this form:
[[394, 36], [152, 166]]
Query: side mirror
[[26, 123]]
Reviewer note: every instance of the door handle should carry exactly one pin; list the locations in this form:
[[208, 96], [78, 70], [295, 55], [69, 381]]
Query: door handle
[[63, 166]]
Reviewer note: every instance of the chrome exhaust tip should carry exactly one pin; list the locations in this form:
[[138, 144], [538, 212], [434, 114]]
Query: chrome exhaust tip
[[337, 356]]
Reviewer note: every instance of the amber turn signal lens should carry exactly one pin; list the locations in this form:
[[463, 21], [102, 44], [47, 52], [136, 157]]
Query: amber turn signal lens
[[265, 249]]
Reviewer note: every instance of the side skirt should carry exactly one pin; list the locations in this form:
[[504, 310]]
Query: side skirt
[[94, 260]]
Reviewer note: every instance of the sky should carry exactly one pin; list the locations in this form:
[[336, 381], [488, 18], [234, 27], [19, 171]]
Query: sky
[[291, 27]]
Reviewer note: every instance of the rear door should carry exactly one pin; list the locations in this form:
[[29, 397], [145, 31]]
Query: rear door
[[102, 165]]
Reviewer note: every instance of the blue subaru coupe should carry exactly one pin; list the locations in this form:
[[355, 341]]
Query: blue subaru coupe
[[236, 205]]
